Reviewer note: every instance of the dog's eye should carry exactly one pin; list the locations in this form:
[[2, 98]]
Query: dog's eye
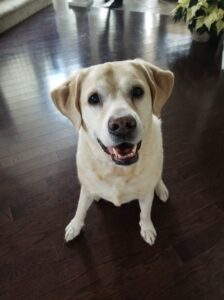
[[137, 92], [94, 99]]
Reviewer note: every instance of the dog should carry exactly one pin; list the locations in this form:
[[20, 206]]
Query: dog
[[116, 108]]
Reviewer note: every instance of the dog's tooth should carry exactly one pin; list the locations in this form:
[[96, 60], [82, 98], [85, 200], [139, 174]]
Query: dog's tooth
[[110, 150], [114, 151]]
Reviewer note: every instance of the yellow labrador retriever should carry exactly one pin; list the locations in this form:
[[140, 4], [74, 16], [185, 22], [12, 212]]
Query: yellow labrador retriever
[[115, 107]]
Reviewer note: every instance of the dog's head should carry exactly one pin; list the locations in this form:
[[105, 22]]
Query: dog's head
[[114, 103]]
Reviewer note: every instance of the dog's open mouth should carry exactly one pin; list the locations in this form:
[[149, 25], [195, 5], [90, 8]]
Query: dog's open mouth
[[124, 153]]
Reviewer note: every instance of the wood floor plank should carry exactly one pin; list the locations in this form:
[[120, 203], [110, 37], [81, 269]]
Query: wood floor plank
[[199, 279], [18, 146], [35, 152]]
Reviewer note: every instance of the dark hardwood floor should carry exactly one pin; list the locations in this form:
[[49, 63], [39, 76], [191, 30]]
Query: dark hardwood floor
[[38, 183]]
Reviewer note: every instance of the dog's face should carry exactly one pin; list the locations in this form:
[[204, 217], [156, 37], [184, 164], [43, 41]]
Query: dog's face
[[114, 103], [116, 109]]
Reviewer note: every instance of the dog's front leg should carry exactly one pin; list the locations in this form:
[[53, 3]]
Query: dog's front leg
[[74, 227], [148, 231]]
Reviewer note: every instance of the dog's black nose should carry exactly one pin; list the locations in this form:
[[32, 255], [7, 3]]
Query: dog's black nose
[[122, 126]]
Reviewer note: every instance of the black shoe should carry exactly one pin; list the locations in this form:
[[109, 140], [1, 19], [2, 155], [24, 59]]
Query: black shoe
[[116, 4]]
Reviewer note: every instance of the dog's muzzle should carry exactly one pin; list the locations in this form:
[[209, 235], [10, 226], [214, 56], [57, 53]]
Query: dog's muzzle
[[123, 131]]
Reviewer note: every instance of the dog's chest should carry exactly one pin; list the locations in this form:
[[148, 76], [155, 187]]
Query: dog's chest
[[117, 190], [117, 185]]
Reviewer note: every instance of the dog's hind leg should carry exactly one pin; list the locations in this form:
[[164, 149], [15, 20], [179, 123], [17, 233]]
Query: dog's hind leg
[[162, 191], [74, 227]]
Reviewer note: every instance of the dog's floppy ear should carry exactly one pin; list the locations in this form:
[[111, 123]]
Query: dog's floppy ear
[[160, 82], [66, 99]]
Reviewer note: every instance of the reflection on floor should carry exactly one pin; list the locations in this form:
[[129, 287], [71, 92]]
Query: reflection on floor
[[163, 7]]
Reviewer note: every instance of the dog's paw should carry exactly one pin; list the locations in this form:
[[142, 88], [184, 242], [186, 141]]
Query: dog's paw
[[149, 234], [162, 191], [71, 231]]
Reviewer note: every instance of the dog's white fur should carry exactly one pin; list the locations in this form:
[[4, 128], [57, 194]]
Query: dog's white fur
[[99, 176]]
